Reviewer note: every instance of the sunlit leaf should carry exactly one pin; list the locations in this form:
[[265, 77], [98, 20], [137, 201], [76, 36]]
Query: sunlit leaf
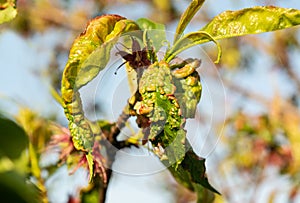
[[189, 40], [88, 56], [91, 50], [187, 16], [252, 21]]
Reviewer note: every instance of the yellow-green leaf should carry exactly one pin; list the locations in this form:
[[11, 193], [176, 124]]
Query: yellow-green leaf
[[88, 56], [252, 21], [189, 40], [187, 16]]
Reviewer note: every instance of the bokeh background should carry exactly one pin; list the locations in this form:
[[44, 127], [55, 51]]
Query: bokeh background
[[252, 153]]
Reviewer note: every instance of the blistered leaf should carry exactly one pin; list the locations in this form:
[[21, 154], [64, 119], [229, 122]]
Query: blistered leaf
[[252, 21], [189, 40], [7, 12], [91, 50], [83, 46], [187, 16], [88, 56], [98, 59]]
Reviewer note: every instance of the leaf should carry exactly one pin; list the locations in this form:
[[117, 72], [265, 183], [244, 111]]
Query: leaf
[[203, 194], [251, 21], [8, 13], [191, 174], [146, 24], [90, 161], [189, 40], [155, 33], [14, 139], [187, 16], [98, 59], [13, 188], [94, 36], [195, 166], [88, 56]]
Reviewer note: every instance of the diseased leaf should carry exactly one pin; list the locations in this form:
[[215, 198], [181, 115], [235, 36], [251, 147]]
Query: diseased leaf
[[187, 16], [7, 12], [251, 21], [176, 149], [94, 36], [155, 88], [189, 40], [98, 59], [88, 56]]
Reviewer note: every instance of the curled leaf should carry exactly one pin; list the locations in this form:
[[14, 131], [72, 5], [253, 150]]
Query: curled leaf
[[252, 21], [98, 59], [88, 56]]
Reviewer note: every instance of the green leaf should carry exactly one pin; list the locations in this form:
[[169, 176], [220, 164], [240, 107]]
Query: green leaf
[[189, 40], [146, 24], [13, 188], [195, 166], [154, 33], [187, 16], [88, 56], [94, 63], [93, 37], [203, 194], [191, 174], [98, 58], [14, 139], [8, 13], [252, 21]]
